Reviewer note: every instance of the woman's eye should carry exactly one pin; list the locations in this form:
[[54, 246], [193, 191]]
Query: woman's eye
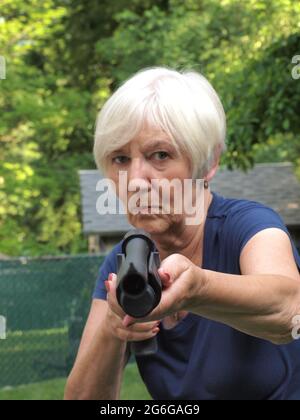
[[161, 155], [120, 160]]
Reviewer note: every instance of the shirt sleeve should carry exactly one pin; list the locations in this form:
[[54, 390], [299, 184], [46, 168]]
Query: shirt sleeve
[[250, 219], [108, 266]]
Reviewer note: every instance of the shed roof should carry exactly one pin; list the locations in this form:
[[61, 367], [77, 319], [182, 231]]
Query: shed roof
[[273, 184]]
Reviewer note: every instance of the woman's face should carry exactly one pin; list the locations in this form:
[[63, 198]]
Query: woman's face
[[150, 155]]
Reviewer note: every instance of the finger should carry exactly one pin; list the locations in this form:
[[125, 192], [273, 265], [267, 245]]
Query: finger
[[134, 336], [143, 327], [108, 282], [128, 320], [111, 284], [112, 296], [165, 277], [156, 314]]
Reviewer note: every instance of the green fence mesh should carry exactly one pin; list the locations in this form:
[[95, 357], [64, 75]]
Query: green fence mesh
[[45, 302]]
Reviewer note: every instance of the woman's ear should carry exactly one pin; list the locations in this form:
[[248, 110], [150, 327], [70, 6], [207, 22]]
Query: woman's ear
[[216, 162]]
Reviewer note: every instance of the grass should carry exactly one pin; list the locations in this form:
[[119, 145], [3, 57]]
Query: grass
[[33, 356], [47, 390], [38, 358], [132, 388]]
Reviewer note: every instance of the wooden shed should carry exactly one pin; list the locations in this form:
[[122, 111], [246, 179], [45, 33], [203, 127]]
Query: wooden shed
[[273, 184]]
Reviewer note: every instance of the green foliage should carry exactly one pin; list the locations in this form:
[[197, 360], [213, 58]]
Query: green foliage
[[245, 49], [46, 134], [65, 57]]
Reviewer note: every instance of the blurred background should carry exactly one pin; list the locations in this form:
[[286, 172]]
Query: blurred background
[[60, 61]]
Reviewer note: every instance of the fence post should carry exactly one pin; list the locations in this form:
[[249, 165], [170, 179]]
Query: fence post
[[2, 327]]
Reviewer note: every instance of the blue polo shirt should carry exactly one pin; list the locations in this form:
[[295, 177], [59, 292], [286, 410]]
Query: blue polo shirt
[[207, 360]]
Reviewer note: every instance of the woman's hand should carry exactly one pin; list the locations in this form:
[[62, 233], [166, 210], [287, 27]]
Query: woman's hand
[[134, 332], [182, 282]]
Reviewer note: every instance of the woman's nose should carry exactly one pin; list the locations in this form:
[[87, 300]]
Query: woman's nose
[[139, 170]]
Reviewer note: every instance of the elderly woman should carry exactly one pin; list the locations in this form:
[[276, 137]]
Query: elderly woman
[[226, 324]]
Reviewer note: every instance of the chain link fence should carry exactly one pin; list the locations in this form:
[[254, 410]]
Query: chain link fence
[[44, 303]]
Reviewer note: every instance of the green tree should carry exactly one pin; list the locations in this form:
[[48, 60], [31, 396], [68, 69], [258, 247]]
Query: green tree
[[65, 57]]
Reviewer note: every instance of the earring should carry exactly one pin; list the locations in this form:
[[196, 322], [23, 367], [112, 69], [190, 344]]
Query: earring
[[205, 184]]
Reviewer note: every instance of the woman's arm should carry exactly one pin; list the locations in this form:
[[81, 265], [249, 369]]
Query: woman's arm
[[97, 372], [261, 305], [103, 353], [258, 302], [262, 301]]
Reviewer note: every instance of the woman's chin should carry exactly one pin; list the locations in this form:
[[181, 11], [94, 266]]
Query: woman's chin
[[152, 224]]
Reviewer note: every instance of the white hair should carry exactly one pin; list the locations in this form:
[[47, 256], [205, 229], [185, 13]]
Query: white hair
[[183, 104]]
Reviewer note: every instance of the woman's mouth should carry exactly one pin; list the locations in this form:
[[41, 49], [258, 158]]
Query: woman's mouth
[[147, 209]]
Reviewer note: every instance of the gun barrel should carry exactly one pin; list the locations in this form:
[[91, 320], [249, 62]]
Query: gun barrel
[[135, 277], [139, 287]]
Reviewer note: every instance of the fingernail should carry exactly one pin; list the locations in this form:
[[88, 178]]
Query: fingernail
[[155, 330], [107, 285]]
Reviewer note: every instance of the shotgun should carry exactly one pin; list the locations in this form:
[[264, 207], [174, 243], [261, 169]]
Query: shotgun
[[138, 284]]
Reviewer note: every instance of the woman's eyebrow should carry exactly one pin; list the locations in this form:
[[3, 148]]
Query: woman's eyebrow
[[149, 145], [158, 144], [117, 151]]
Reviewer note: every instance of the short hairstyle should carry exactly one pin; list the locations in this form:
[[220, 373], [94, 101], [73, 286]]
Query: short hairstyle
[[183, 104]]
